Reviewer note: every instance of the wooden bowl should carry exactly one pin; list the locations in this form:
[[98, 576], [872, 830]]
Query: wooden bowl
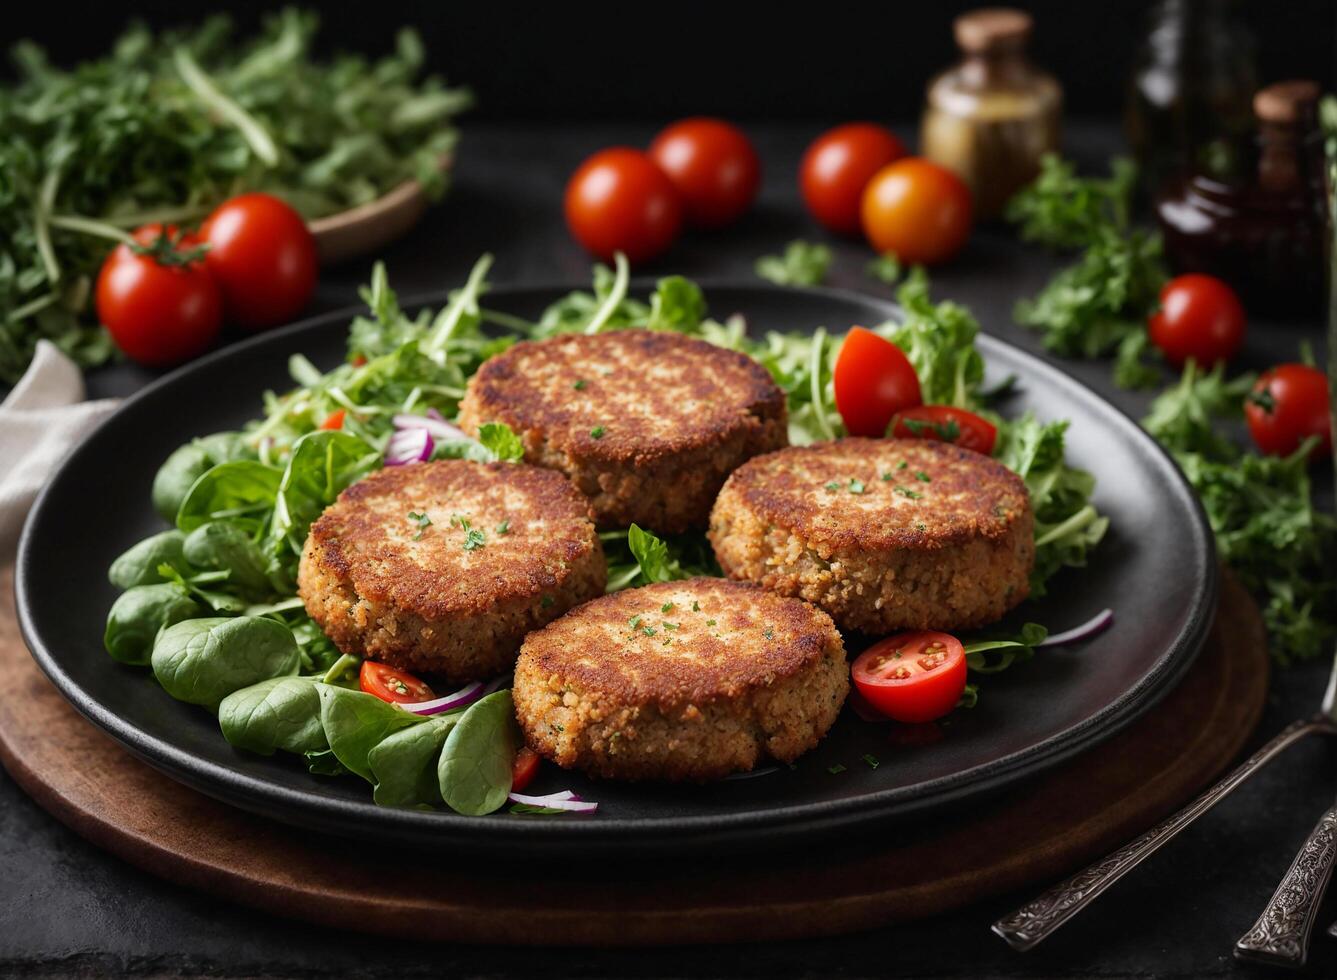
[[370, 227]]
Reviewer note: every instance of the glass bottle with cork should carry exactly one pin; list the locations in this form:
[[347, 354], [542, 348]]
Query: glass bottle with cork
[[1263, 228], [991, 117]]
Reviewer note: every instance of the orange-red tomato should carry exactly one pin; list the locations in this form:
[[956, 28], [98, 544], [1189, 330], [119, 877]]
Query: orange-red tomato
[[263, 257], [389, 684], [335, 420], [873, 380], [1289, 404], [523, 769], [944, 423], [838, 166], [158, 301], [1200, 317], [918, 211], [713, 166], [619, 200], [912, 677]]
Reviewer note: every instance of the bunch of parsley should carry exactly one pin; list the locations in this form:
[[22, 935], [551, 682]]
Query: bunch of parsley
[[1261, 510], [165, 127], [1099, 305]]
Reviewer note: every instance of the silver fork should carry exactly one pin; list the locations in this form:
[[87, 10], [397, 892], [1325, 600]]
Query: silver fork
[[1036, 921], [1280, 937]]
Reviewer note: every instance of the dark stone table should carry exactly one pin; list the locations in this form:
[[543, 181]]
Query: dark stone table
[[67, 909]]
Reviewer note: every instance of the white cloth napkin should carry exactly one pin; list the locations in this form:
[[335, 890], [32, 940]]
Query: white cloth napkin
[[43, 418]]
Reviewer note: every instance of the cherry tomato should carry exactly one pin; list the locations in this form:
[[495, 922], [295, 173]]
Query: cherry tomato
[[335, 420], [838, 166], [713, 166], [1288, 404], [912, 677], [157, 300], [916, 210], [263, 258], [524, 768], [389, 684], [943, 423], [873, 382], [620, 201], [1200, 317]]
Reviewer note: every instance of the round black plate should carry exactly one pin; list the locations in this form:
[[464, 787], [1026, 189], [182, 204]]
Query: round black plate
[[1156, 568]]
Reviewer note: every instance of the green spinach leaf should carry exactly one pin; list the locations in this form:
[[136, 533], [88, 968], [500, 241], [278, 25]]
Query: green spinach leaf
[[355, 723], [282, 713], [475, 765], [404, 765], [322, 464], [137, 616], [241, 491], [202, 661], [138, 565]]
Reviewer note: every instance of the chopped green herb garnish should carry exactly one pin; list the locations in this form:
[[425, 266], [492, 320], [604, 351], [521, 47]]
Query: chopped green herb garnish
[[670, 626], [579, 385], [634, 622], [546, 601], [666, 607], [710, 622], [769, 634], [833, 486], [696, 606], [474, 539], [887, 477], [835, 770], [649, 631], [871, 761], [902, 465], [597, 432], [923, 477], [856, 486], [504, 527], [422, 521], [907, 492]]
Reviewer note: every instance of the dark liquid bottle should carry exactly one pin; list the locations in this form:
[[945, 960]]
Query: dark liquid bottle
[[1263, 227], [1188, 104]]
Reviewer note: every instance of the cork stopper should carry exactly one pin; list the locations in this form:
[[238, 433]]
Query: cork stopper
[[1286, 103], [992, 30]]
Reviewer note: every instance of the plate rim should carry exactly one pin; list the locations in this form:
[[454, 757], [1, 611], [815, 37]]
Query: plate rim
[[773, 825]]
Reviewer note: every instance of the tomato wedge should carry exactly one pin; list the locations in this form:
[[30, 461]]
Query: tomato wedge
[[335, 420], [944, 423], [524, 768], [912, 677], [874, 380], [395, 686]]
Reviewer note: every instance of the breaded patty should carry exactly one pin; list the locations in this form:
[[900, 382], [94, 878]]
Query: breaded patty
[[677, 681], [647, 424], [884, 534], [444, 567]]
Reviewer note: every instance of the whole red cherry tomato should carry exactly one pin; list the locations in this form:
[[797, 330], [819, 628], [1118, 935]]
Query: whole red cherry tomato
[[619, 200], [263, 258], [713, 166], [838, 166], [1200, 317], [1288, 405], [917, 210], [157, 300]]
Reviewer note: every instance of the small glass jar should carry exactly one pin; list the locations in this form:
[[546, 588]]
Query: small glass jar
[[991, 117], [1263, 228]]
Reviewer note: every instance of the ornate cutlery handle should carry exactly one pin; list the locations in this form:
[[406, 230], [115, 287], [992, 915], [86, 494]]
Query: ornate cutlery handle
[[1281, 934], [1033, 923]]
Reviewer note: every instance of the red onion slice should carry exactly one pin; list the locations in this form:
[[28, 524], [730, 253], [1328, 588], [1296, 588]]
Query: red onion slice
[[1088, 629], [433, 423], [409, 446], [464, 696], [565, 800]]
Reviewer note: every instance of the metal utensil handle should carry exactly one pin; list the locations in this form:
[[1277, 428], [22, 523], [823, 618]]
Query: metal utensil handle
[[1281, 934], [1034, 922]]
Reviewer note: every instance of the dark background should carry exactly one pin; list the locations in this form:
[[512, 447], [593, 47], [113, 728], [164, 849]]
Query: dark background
[[747, 60]]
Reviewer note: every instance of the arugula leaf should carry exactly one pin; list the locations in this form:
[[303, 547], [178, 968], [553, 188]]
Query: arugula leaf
[[801, 264], [885, 268], [1062, 210], [990, 656], [638, 557], [1181, 416], [939, 340], [321, 466], [501, 441]]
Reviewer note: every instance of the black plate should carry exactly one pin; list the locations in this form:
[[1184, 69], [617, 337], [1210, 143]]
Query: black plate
[[1156, 568]]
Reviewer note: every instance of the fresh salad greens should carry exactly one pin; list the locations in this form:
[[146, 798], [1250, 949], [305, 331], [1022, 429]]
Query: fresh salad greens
[[165, 127], [801, 264], [210, 605], [1099, 305]]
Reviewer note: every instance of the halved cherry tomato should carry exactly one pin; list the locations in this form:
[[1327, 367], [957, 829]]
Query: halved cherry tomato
[[335, 420], [1288, 404], [714, 167], [523, 768], [916, 210], [943, 423], [395, 686], [837, 167], [874, 380], [1200, 317], [912, 677]]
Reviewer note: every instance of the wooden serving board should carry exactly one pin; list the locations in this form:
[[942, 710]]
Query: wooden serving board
[[1036, 833]]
